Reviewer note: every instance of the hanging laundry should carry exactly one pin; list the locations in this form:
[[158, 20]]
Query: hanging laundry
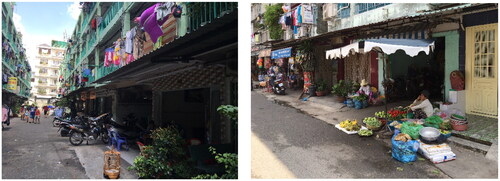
[[307, 14], [129, 41], [177, 12], [108, 56], [286, 8], [130, 58], [149, 21], [93, 23], [117, 55], [98, 21], [164, 10]]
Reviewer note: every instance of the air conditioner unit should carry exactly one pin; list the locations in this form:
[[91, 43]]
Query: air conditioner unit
[[329, 11]]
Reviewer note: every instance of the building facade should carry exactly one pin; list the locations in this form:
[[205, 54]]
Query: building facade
[[196, 51], [46, 72], [16, 70], [449, 25]]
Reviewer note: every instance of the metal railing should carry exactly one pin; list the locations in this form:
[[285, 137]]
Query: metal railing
[[202, 13], [110, 14]]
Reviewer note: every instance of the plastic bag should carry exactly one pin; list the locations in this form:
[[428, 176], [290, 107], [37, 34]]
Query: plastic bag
[[412, 129], [433, 121], [404, 151]]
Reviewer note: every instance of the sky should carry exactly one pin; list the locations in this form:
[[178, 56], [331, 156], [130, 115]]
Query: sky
[[42, 22]]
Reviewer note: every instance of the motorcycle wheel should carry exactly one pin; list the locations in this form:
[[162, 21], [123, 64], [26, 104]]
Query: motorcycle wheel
[[55, 123], [76, 138], [105, 138]]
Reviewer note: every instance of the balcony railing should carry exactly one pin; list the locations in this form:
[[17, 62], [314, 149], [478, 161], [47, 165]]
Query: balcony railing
[[103, 71], [110, 14], [202, 13]]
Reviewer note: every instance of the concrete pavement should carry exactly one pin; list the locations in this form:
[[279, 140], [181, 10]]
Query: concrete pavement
[[476, 164], [306, 147], [37, 151]]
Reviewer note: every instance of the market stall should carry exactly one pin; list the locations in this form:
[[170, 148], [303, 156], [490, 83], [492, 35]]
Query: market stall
[[411, 135]]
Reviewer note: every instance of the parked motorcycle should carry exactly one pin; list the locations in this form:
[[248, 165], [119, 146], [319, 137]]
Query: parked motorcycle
[[64, 125], [279, 87], [91, 129]]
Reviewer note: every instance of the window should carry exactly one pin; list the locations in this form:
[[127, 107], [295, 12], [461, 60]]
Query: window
[[52, 90], [484, 54], [344, 10], [43, 71], [44, 61], [363, 7]]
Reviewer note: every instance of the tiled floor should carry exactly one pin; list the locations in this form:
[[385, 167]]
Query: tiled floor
[[481, 128]]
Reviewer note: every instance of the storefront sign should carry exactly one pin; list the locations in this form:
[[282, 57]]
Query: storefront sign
[[12, 83], [281, 53], [265, 53]]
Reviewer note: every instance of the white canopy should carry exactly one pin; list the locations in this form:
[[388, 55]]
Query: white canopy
[[388, 46]]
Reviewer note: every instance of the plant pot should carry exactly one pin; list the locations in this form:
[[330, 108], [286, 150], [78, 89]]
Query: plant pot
[[341, 99], [320, 93], [459, 127], [312, 90]]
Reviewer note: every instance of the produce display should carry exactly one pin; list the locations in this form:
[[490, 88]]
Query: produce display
[[444, 131], [433, 121], [397, 113], [365, 132], [402, 137], [372, 122], [350, 125], [381, 114], [411, 129]]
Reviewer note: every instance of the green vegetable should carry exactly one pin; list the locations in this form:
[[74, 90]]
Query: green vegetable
[[411, 129], [372, 121], [433, 121], [365, 132]]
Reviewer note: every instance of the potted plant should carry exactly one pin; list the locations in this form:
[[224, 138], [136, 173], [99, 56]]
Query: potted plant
[[321, 88], [372, 123], [340, 90]]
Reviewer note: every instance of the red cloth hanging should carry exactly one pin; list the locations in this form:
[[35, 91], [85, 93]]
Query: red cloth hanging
[[93, 23]]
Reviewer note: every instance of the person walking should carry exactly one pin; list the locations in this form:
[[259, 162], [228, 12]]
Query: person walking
[[45, 110], [37, 116], [21, 112], [32, 114], [27, 110]]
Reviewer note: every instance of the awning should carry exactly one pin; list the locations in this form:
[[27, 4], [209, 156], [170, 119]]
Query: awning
[[388, 46]]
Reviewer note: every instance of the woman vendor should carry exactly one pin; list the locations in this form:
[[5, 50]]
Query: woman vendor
[[422, 107], [365, 88]]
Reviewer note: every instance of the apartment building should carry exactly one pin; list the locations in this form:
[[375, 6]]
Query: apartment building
[[46, 72], [16, 70]]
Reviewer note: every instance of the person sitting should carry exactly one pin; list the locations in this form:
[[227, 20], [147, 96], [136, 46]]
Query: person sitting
[[365, 88], [422, 107]]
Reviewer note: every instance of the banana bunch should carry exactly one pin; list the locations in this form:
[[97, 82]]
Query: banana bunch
[[402, 137], [350, 125]]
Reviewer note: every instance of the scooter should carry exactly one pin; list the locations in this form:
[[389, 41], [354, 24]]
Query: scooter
[[92, 129], [279, 87]]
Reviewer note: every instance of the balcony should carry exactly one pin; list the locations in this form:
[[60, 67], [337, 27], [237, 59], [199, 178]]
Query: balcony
[[203, 13]]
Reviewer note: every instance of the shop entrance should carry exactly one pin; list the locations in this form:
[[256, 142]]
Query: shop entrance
[[481, 70], [194, 112], [411, 75]]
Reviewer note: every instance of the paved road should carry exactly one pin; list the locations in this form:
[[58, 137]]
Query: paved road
[[36, 151], [300, 146]]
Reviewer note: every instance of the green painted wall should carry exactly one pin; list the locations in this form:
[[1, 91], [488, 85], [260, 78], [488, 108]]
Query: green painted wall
[[451, 56]]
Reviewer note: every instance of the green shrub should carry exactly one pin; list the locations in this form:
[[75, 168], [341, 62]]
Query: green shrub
[[230, 161], [165, 158]]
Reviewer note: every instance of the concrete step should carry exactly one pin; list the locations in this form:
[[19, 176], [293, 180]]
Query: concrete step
[[471, 145]]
